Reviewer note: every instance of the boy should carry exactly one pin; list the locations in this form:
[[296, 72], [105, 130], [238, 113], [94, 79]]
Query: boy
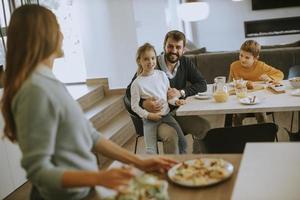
[[249, 68]]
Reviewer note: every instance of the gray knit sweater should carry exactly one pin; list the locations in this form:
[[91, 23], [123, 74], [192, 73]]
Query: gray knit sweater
[[53, 135]]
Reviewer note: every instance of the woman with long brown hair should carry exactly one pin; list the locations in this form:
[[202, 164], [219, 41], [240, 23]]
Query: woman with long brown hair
[[55, 138]]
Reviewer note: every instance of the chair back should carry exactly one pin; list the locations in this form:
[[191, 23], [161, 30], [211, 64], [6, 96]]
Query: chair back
[[234, 139], [138, 124], [294, 71], [137, 121]]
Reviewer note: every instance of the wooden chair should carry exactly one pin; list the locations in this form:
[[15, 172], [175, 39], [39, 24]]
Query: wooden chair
[[234, 139]]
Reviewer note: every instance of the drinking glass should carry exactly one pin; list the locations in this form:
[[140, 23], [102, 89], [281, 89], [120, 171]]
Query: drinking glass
[[240, 88]]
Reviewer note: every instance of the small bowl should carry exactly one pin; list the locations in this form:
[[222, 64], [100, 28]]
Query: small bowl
[[295, 82]]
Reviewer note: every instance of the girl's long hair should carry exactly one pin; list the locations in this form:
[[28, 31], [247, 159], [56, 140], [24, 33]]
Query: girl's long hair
[[32, 36], [141, 50]]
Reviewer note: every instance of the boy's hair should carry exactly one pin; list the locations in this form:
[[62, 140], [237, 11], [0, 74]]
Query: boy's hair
[[251, 46], [141, 50], [175, 35]]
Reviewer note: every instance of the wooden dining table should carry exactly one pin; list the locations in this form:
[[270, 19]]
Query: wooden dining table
[[220, 191]]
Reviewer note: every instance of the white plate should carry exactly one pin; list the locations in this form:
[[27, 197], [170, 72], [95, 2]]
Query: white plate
[[203, 96], [295, 92], [177, 172], [247, 101]]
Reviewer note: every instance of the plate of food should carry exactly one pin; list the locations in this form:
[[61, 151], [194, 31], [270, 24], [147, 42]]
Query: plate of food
[[200, 172], [203, 96], [249, 100]]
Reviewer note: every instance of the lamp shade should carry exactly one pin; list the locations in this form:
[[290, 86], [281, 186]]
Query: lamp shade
[[193, 11]]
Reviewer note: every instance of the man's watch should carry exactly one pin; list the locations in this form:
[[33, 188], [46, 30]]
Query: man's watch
[[182, 93]]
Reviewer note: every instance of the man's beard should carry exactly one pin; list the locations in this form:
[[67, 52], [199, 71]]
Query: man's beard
[[172, 57]]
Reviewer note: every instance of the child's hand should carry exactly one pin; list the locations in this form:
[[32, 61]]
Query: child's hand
[[154, 116], [180, 102], [265, 78]]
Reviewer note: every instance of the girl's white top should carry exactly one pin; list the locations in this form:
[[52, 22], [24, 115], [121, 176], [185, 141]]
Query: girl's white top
[[153, 85]]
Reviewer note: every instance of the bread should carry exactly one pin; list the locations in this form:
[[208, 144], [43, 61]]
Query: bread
[[250, 85]]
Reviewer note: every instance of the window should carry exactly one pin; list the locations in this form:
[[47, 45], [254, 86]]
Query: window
[[70, 68]]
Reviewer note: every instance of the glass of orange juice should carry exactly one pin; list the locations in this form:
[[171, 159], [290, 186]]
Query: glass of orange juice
[[240, 88]]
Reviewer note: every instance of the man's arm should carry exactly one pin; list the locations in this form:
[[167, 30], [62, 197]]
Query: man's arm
[[198, 83]]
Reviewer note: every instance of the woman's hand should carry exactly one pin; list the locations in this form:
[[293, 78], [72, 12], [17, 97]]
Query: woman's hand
[[156, 164], [116, 178]]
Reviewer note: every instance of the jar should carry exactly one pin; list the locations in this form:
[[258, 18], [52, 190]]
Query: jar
[[220, 90]]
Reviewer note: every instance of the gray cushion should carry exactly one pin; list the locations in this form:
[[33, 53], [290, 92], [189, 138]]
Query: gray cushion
[[196, 51], [281, 58], [218, 64]]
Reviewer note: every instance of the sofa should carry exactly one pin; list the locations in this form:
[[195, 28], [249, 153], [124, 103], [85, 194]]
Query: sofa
[[212, 64]]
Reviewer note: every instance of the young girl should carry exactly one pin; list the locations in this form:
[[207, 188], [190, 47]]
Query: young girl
[[55, 138], [153, 83]]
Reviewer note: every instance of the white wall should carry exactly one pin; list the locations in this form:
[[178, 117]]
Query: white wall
[[11, 173], [6, 180], [173, 22], [73, 60], [111, 32], [224, 28], [151, 24], [109, 40]]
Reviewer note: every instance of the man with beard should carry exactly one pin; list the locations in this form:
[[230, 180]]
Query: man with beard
[[180, 71]]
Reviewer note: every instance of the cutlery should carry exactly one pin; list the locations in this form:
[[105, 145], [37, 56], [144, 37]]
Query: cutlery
[[253, 99]]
